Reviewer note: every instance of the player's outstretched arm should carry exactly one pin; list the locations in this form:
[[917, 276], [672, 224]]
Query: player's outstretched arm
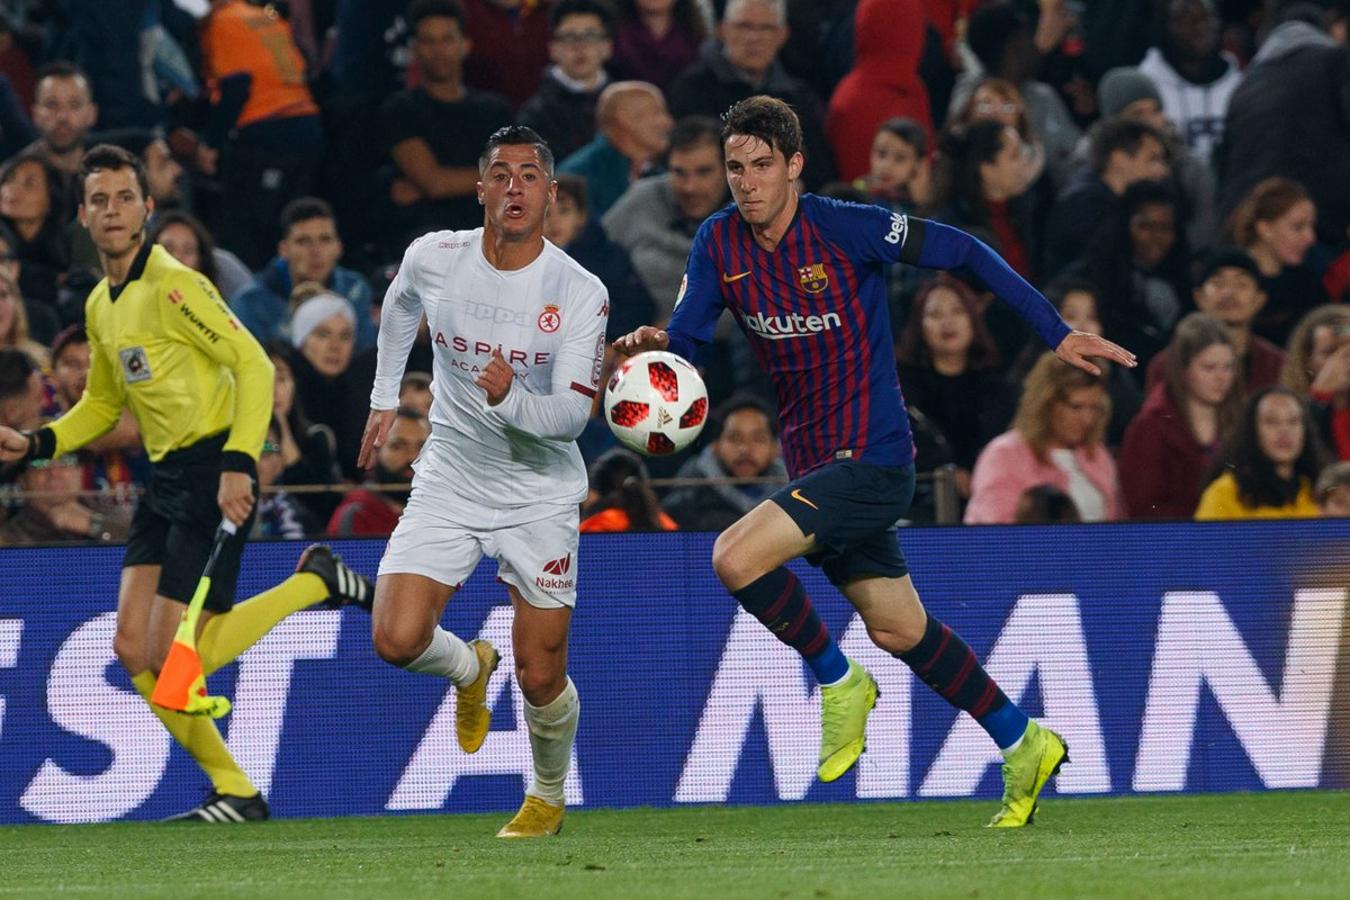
[[1078, 347], [644, 338], [378, 424]]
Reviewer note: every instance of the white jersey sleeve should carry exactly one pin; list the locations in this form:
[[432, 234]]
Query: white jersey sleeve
[[400, 317], [561, 414]]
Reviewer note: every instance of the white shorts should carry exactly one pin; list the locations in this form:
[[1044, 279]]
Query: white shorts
[[443, 536]]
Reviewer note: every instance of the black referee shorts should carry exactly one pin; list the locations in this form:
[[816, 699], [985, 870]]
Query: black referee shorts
[[175, 525], [851, 508]]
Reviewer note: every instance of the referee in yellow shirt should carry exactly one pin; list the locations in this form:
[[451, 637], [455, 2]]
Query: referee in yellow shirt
[[163, 343]]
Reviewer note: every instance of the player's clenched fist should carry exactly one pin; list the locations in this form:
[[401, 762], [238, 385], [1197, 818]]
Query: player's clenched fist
[[13, 445], [496, 378], [647, 337]]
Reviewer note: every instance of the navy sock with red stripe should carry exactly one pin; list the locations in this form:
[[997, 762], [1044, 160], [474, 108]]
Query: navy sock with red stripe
[[778, 600], [947, 665]]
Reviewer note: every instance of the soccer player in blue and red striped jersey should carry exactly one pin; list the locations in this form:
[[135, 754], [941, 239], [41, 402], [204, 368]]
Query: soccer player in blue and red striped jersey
[[803, 275]]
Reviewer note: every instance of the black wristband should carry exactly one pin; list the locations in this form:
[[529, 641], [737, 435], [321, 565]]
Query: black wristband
[[238, 461], [41, 443]]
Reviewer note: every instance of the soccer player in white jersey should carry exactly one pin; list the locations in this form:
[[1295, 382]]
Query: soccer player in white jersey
[[519, 334]]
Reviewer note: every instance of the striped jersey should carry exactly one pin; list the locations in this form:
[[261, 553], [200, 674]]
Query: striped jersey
[[814, 310]]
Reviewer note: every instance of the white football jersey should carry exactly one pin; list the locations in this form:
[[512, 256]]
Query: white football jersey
[[547, 319]]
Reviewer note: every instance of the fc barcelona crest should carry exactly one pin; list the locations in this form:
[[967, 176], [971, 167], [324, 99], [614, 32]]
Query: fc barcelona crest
[[813, 278]]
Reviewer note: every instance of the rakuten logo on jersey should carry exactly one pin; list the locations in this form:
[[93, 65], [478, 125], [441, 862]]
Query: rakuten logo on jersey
[[483, 348], [780, 328]]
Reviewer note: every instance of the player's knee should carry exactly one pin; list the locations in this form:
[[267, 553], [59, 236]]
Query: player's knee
[[732, 564], [894, 638], [397, 648], [540, 680]]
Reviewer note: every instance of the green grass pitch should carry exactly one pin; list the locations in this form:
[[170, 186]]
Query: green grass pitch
[[1245, 845]]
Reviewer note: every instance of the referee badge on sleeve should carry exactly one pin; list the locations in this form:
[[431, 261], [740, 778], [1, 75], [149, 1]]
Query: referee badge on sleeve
[[135, 364]]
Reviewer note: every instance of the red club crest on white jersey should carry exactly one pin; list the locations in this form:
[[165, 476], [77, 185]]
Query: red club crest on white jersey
[[550, 319]]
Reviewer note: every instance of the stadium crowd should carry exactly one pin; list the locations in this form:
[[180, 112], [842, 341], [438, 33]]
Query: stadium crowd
[[1174, 175]]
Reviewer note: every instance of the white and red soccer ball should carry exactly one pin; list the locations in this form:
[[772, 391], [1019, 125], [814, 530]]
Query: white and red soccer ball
[[656, 403]]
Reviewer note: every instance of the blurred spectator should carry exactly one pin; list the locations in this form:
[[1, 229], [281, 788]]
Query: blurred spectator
[[1173, 442], [656, 219], [1003, 42], [563, 111], [279, 515], [368, 56], [16, 131], [63, 113], [978, 179], [435, 131], [1276, 225], [997, 100], [634, 132], [14, 324], [188, 241], [1333, 490], [744, 445], [323, 329], [374, 509], [620, 499], [883, 84], [1129, 93], [1138, 256], [308, 450], [21, 393], [743, 62], [33, 205], [1268, 464], [1056, 439], [263, 137], [949, 370], [1226, 288], [414, 393], [1289, 116], [116, 460], [1076, 300], [898, 172], [1045, 504], [1321, 334], [511, 38], [1192, 71], [656, 40], [309, 250], [53, 512], [570, 226], [1122, 151]]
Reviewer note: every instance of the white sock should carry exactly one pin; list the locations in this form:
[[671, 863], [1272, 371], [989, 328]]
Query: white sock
[[553, 729], [447, 656]]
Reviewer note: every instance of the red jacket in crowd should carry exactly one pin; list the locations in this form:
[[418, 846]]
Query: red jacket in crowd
[[883, 84], [1161, 463]]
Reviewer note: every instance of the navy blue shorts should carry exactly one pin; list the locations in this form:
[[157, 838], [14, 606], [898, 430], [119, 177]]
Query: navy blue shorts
[[851, 508]]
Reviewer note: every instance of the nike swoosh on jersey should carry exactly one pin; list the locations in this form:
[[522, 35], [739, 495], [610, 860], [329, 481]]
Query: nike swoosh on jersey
[[728, 279], [797, 495]]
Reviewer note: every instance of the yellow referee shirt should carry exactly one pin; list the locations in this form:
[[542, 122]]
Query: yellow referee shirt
[[166, 345]]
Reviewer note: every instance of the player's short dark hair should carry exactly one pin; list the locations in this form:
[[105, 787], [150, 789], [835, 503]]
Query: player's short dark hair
[[768, 119], [110, 158], [909, 131], [739, 403], [690, 131], [430, 9], [516, 135], [303, 209], [16, 368], [564, 8], [60, 68], [574, 186], [1118, 133]]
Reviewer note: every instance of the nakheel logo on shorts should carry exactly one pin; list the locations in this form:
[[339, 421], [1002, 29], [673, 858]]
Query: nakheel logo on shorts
[[556, 575]]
